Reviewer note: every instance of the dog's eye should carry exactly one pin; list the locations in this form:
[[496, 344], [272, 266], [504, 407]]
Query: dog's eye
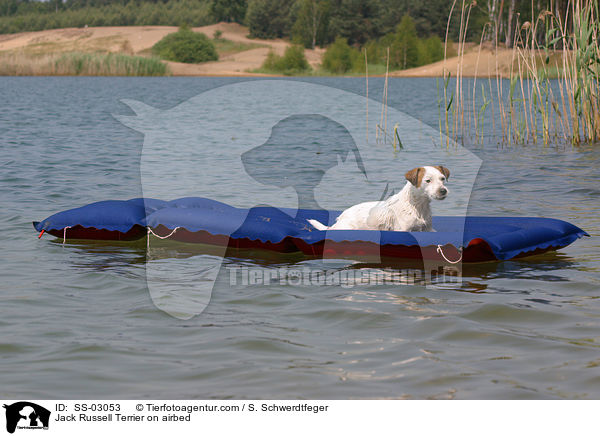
[[443, 179], [427, 181]]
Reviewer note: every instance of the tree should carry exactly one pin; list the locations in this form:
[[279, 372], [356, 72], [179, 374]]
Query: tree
[[338, 57], [228, 10], [430, 17], [492, 17], [509, 26], [404, 52], [430, 50], [311, 23], [8, 7], [268, 18], [356, 20]]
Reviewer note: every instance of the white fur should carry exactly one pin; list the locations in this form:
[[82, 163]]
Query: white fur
[[407, 211]]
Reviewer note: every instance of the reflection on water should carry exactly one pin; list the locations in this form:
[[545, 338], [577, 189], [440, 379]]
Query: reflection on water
[[99, 256]]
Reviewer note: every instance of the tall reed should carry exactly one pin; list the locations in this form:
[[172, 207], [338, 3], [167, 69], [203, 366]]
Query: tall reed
[[553, 81]]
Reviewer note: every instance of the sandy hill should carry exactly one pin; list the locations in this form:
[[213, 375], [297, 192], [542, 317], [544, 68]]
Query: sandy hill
[[140, 39]]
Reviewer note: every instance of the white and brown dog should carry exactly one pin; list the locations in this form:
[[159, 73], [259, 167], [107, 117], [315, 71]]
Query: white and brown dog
[[407, 211]]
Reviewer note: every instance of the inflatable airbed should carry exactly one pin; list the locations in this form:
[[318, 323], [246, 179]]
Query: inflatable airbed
[[201, 220]]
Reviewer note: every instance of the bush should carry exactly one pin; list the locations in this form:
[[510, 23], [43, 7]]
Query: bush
[[341, 58], [293, 61], [430, 50], [186, 46], [434, 47]]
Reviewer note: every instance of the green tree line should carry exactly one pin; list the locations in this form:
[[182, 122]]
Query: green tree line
[[311, 22], [401, 48], [21, 16], [413, 30], [320, 22]]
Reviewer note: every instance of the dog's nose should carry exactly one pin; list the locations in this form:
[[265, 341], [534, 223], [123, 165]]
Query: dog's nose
[[443, 191]]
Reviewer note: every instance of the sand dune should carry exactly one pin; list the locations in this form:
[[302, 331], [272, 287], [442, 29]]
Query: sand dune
[[484, 62], [140, 39]]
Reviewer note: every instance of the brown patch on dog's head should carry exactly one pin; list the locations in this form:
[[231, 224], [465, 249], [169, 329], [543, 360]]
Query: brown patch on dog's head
[[415, 176], [445, 171]]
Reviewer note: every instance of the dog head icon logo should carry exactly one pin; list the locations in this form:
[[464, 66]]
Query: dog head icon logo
[[24, 414], [287, 144], [325, 145]]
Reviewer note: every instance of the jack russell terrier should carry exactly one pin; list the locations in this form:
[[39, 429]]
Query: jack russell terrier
[[407, 211]]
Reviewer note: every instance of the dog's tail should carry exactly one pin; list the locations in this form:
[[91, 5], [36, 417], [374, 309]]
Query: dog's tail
[[317, 225]]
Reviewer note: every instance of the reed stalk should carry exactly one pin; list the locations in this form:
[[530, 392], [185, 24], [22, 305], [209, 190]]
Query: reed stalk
[[367, 93], [538, 106]]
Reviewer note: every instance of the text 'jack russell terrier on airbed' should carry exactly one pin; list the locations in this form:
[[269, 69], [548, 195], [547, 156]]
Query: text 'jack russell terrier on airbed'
[[407, 211]]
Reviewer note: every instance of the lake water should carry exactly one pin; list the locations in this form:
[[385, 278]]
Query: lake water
[[78, 320]]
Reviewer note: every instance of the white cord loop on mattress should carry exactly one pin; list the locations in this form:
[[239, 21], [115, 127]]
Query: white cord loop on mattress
[[65, 234], [439, 250], [158, 236]]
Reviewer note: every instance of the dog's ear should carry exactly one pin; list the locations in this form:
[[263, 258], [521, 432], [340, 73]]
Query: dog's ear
[[415, 176], [445, 171]]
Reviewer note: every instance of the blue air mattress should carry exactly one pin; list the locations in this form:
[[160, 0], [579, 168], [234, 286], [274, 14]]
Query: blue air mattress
[[201, 220]]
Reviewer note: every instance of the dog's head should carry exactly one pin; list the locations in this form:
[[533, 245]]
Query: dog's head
[[430, 181]]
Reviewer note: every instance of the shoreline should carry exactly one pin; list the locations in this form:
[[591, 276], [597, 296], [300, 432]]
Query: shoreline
[[32, 47]]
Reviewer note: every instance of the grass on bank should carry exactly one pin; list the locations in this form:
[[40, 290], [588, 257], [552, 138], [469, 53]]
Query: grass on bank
[[226, 47], [80, 64]]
